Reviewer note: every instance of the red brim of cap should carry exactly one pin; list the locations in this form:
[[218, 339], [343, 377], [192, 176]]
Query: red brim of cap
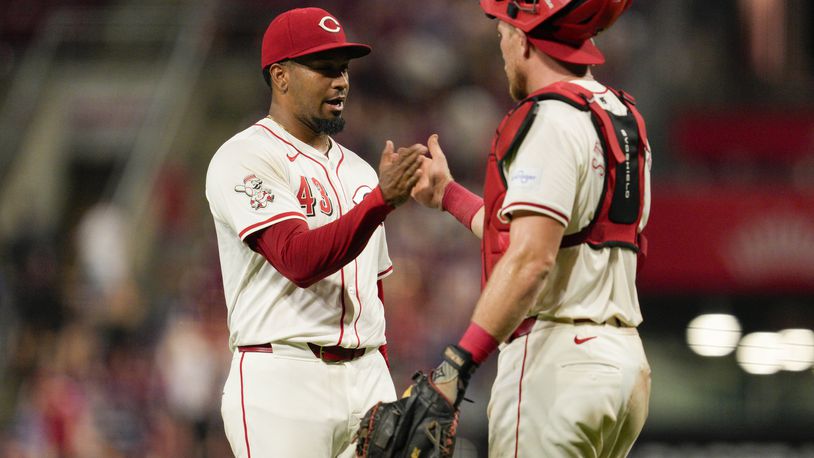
[[585, 54], [354, 50]]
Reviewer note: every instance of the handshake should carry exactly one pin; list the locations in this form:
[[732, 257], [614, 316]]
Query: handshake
[[418, 171], [424, 421]]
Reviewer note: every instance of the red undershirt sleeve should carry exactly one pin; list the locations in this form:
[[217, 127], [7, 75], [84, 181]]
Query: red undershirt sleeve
[[306, 256]]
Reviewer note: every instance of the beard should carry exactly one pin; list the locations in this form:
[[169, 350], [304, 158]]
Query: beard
[[517, 86], [328, 126]]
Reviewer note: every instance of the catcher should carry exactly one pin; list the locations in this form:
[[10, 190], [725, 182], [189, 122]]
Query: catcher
[[566, 197]]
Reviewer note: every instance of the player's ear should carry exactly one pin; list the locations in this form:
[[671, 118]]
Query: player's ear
[[279, 74], [525, 44]]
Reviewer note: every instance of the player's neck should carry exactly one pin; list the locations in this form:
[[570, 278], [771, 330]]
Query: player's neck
[[302, 132], [546, 71]]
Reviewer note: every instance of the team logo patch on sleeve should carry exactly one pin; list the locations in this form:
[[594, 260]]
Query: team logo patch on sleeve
[[259, 195]]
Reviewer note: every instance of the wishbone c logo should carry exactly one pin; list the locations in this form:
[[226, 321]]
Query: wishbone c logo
[[324, 23]]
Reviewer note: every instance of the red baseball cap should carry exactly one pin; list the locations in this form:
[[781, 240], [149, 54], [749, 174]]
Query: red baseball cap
[[304, 31]]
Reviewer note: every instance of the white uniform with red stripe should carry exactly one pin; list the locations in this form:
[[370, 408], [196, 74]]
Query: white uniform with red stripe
[[565, 373], [287, 402], [559, 172]]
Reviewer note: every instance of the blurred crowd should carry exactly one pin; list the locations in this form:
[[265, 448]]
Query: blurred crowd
[[101, 358]]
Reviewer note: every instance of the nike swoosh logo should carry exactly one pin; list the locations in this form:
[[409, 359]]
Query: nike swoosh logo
[[579, 341]]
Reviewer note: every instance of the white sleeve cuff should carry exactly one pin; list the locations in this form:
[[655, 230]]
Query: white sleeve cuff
[[385, 273], [504, 214], [270, 222]]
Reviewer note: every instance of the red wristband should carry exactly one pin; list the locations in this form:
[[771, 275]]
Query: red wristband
[[478, 342], [461, 203]]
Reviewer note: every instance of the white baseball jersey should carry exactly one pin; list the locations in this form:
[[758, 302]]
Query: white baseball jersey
[[260, 177], [559, 171], [572, 389]]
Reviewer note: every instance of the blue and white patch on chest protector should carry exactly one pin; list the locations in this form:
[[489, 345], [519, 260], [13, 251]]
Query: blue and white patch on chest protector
[[524, 178]]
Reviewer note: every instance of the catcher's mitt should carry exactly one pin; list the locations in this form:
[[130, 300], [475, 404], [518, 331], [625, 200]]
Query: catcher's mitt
[[423, 423]]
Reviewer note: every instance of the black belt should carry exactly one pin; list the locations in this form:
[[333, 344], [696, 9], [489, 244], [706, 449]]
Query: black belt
[[528, 323], [332, 354]]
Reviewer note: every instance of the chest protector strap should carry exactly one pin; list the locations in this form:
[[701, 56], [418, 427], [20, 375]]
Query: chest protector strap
[[624, 141]]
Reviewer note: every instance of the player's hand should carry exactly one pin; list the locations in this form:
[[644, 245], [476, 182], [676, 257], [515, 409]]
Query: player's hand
[[435, 176], [451, 377], [399, 171]]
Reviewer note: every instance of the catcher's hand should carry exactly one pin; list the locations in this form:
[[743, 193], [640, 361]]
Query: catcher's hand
[[423, 423], [435, 176]]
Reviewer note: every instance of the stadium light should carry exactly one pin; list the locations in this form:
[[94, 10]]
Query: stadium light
[[760, 353], [713, 334], [798, 349]]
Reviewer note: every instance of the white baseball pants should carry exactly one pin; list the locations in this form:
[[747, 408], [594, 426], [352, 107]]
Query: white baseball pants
[[290, 404], [569, 390]]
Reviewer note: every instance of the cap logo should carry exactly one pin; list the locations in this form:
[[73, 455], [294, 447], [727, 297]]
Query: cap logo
[[324, 24]]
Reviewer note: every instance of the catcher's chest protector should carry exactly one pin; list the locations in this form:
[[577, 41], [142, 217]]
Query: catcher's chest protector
[[624, 141]]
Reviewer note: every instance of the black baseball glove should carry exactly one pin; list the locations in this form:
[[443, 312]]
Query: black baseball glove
[[423, 423]]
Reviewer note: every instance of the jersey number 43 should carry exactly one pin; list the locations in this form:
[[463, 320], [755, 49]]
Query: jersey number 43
[[307, 200]]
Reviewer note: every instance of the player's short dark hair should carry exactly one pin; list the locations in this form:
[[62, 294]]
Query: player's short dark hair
[[579, 70], [267, 75]]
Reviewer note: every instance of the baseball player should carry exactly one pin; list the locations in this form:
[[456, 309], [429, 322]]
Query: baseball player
[[566, 196], [302, 248]]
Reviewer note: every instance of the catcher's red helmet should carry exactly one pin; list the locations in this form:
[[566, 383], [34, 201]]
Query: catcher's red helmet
[[561, 28]]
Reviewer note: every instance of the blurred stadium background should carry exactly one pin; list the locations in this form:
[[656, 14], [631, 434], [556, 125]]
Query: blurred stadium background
[[113, 340]]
